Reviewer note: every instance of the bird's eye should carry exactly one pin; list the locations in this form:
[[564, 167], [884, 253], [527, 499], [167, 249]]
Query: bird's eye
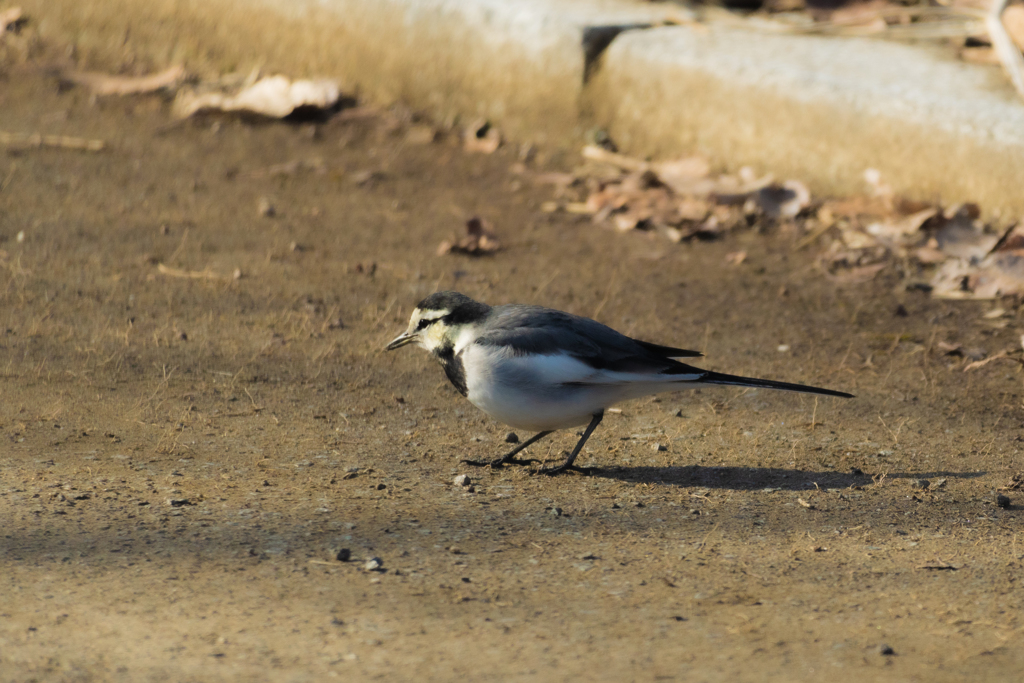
[[423, 324]]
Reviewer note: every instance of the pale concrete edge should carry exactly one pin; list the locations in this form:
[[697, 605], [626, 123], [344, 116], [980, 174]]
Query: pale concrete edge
[[535, 90]]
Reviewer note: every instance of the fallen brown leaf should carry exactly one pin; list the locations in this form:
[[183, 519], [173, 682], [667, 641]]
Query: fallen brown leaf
[[855, 275], [272, 96], [479, 240]]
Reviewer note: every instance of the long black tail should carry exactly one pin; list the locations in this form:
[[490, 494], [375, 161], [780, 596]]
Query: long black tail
[[720, 378]]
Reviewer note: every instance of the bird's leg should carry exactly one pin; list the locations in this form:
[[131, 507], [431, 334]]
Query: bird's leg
[[508, 458], [567, 465]]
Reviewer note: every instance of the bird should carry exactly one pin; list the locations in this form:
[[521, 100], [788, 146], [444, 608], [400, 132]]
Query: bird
[[540, 369]]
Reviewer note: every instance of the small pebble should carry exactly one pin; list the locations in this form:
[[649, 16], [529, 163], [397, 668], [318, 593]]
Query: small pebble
[[659, 447], [373, 564], [884, 649], [265, 208], [1003, 501], [511, 437], [920, 484], [462, 480], [178, 502], [343, 555], [555, 512]]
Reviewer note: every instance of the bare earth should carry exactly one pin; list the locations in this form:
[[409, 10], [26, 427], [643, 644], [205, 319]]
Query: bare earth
[[183, 457]]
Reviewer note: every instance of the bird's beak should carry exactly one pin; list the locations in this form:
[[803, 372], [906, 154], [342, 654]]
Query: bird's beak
[[400, 341]]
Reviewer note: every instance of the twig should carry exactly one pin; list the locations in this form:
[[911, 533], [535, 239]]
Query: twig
[[62, 141], [191, 274], [10, 175], [105, 84]]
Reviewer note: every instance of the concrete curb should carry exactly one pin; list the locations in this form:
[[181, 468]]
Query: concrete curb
[[818, 109]]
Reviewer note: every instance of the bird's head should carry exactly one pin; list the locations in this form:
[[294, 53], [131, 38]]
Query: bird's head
[[438, 320]]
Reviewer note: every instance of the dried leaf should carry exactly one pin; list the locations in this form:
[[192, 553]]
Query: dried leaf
[[682, 175], [273, 96], [855, 275], [855, 239], [601, 155], [1001, 274], [961, 237], [479, 240], [902, 230], [692, 209], [929, 255]]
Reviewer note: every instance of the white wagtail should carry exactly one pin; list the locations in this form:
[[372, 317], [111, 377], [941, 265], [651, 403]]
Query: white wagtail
[[540, 369]]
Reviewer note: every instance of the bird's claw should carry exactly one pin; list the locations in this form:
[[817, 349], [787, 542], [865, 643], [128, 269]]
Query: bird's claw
[[497, 464], [552, 471]]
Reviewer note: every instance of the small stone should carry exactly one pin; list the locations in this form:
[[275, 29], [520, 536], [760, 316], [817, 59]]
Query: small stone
[[1003, 501], [659, 447], [511, 437], [462, 480], [343, 555], [555, 512], [920, 484], [178, 502], [856, 471], [373, 564], [381, 487], [884, 649], [265, 208]]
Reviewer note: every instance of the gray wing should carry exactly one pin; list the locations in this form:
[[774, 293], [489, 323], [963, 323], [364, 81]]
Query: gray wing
[[533, 329]]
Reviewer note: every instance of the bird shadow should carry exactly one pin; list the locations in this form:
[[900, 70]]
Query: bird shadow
[[755, 478]]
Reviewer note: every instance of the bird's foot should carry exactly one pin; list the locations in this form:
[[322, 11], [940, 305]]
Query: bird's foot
[[552, 471], [497, 464]]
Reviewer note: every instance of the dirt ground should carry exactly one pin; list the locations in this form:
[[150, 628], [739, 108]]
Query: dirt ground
[[182, 459]]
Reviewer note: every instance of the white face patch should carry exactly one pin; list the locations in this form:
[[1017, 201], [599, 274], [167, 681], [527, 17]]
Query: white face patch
[[422, 325]]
